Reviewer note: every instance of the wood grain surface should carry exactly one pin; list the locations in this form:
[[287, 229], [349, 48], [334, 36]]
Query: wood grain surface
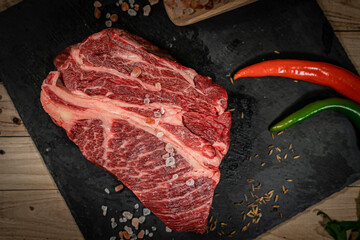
[[31, 207]]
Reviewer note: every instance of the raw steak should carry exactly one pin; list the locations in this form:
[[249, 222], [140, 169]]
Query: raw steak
[[158, 126]]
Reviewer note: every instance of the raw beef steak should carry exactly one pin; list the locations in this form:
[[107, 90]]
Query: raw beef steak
[[158, 126]]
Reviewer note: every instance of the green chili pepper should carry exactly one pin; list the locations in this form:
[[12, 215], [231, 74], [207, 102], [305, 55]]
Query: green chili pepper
[[347, 107]]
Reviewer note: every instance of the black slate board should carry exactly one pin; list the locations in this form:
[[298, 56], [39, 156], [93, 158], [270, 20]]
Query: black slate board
[[34, 32]]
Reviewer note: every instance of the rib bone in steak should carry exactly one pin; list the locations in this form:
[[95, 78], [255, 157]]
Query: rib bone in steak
[[158, 126]]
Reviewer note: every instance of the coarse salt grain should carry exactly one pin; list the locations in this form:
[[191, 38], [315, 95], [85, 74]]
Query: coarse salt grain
[[132, 12], [157, 114], [127, 215], [162, 110], [108, 23], [170, 161], [107, 190], [112, 238], [128, 230], [146, 101], [169, 148], [122, 220], [107, 15], [136, 206], [158, 86], [146, 211], [97, 4], [146, 10], [167, 229], [153, 228], [151, 234], [146, 232], [190, 182], [113, 223], [175, 176], [104, 209], [160, 134], [142, 219]]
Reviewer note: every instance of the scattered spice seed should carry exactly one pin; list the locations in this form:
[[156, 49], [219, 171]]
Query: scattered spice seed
[[283, 188], [290, 146], [271, 151], [211, 218], [231, 110], [281, 215], [244, 229], [250, 180], [296, 81], [242, 115], [262, 164], [135, 72], [285, 156], [276, 206], [233, 232], [276, 198], [252, 195], [153, 2], [272, 136], [149, 120], [278, 149], [252, 188], [124, 6], [289, 180], [244, 217], [256, 155], [238, 203], [276, 52], [296, 157], [118, 188], [278, 157], [126, 235], [97, 13], [219, 233], [146, 10], [114, 18], [286, 190], [258, 186], [222, 224], [217, 194], [270, 146], [135, 223], [245, 197], [279, 133], [231, 80], [141, 234]]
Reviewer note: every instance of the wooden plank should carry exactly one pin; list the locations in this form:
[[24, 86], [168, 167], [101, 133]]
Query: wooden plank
[[341, 206], [21, 166], [40, 214], [10, 122], [5, 4], [344, 15], [351, 44]]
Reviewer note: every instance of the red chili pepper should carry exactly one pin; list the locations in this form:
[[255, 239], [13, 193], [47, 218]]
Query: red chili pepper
[[339, 79]]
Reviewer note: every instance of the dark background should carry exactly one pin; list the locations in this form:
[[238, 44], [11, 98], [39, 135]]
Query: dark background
[[33, 32]]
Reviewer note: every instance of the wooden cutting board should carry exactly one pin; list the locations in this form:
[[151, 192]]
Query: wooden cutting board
[[182, 15]]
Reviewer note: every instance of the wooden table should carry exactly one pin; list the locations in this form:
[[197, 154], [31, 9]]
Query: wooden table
[[31, 206]]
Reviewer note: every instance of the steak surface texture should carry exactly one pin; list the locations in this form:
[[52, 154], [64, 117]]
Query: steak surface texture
[[158, 126]]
